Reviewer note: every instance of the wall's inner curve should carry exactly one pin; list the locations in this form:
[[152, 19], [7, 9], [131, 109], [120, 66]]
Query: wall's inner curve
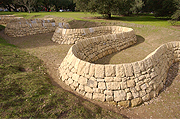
[[128, 84], [71, 36]]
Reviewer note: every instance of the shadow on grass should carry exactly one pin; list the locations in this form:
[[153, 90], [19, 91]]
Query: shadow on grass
[[106, 59], [136, 18]]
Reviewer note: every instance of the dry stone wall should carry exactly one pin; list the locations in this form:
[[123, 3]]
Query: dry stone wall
[[128, 84], [24, 27], [4, 19], [71, 36]]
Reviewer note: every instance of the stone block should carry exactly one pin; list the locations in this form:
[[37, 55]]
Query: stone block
[[99, 71], [123, 85], [143, 86], [101, 85], [125, 103], [136, 67], [142, 93], [146, 98], [120, 71], [99, 96], [128, 70], [110, 70], [109, 98], [109, 92], [89, 95], [109, 79], [92, 70], [88, 89], [136, 102], [92, 83], [82, 80], [113, 85], [141, 65], [131, 83], [75, 77], [129, 96], [119, 95]]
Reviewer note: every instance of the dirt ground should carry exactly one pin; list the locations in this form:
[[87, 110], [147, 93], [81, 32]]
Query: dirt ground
[[166, 105]]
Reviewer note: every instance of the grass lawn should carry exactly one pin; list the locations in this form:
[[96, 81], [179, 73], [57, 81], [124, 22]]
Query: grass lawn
[[140, 19]]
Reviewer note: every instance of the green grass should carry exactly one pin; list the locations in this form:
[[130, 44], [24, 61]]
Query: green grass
[[140, 19], [26, 91]]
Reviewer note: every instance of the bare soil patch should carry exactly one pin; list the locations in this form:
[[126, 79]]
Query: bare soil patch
[[166, 105]]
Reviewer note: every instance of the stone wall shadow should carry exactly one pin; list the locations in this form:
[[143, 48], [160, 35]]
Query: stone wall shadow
[[172, 73], [106, 59]]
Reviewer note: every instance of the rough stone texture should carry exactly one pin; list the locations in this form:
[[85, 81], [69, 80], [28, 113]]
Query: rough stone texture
[[124, 103], [136, 82], [24, 27], [136, 102]]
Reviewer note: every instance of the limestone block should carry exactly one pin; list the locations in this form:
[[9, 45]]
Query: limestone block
[[135, 94], [142, 93], [109, 98], [109, 79], [82, 80], [81, 87], [123, 85], [70, 81], [113, 85], [92, 70], [130, 83], [142, 77], [81, 67], [89, 95], [119, 95], [99, 71], [136, 67], [146, 98], [110, 70], [109, 92], [92, 82], [99, 96], [88, 89], [141, 65], [101, 85], [129, 96], [128, 70], [143, 86], [136, 102], [120, 71], [125, 103]]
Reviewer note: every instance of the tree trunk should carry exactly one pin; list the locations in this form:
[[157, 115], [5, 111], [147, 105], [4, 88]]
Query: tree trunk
[[109, 15]]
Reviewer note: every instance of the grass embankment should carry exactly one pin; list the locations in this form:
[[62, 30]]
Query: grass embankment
[[148, 19], [26, 91]]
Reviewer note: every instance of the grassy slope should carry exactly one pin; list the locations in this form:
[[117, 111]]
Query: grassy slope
[[26, 91]]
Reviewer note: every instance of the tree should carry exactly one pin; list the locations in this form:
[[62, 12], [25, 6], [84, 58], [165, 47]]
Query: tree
[[104, 7], [28, 4], [137, 6], [176, 15]]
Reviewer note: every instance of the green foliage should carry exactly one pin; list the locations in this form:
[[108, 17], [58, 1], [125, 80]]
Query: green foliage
[[137, 6]]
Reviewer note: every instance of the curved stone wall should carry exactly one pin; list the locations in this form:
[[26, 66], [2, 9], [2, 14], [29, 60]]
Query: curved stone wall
[[71, 36], [20, 28], [4, 19], [128, 84]]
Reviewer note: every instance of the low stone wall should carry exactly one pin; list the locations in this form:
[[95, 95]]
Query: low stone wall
[[27, 27], [128, 84], [71, 36], [4, 19]]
